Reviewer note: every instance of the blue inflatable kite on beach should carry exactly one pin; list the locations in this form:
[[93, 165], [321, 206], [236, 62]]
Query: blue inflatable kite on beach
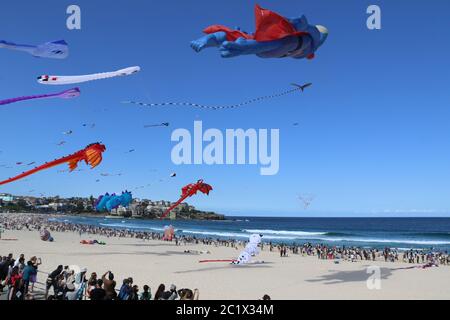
[[109, 202], [54, 50]]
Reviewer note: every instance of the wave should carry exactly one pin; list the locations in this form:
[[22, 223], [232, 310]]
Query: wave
[[217, 233], [235, 235], [285, 232], [130, 226], [401, 241], [429, 234]]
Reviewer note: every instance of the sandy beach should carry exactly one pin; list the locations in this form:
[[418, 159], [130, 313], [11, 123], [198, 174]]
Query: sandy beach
[[153, 262]]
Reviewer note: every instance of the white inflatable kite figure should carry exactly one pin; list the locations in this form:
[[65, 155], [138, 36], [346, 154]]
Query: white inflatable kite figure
[[251, 249], [61, 80]]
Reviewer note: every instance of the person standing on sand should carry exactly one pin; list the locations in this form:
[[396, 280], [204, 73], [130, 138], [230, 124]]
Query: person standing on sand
[[28, 272], [52, 280], [134, 296], [171, 294], [21, 257], [125, 290], [98, 293], [159, 293], [92, 284], [109, 285], [146, 295], [15, 285], [36, 262]]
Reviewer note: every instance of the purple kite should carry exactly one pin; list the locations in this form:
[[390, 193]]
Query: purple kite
[[68, 94]]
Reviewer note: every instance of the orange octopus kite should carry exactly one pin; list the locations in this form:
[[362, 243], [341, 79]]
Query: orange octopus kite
[[92, 155]]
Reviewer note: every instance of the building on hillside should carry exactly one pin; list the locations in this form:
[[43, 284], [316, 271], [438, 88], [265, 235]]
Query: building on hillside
[[6, 197]]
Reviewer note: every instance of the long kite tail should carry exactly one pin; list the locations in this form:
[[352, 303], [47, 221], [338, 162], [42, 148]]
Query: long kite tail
[[92, 154], [8, 101], [233, 106], [176, 204], [71, 93], [208, 261], [40, 168], [15, 46]]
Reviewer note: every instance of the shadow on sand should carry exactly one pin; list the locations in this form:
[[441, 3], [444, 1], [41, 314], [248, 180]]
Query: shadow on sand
[[165, 253], [265, 265], [336, 277]]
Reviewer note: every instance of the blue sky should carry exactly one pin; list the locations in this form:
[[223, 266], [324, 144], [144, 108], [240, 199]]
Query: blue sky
[[373, 132]]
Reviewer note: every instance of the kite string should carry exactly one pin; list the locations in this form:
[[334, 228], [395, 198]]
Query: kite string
[[196, 105]]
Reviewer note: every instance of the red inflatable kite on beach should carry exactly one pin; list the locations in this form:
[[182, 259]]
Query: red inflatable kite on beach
[[189, 191], [92, 155]]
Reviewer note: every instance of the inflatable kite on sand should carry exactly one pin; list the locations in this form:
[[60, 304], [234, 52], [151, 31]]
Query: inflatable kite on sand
[[55, 49], [91, 242], [250, 250], [169, 233], [109, 202], [67, 94], [61, 80], [232, 106], [45, 235], [92, 155], [275, 37], [189, 191]]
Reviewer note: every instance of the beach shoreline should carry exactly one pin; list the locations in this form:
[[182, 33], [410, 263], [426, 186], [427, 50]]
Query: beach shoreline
[[153, 262]]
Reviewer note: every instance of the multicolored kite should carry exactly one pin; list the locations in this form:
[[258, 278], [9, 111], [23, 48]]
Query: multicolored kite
[[92, 155], [67, 94], [189, 191], [275, 37]]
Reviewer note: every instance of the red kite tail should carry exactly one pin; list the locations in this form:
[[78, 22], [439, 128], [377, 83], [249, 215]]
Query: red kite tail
[[176, 204], [92, 155], [208, 261]]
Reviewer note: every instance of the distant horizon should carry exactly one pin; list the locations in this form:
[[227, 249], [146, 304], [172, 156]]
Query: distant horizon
[[339, 217], [265, 213]]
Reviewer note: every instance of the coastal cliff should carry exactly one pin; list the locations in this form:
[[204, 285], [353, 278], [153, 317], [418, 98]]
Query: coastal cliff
[[139, 208]]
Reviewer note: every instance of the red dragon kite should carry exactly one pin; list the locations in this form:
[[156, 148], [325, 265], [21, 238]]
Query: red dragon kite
[[92, 155], [189, 191]]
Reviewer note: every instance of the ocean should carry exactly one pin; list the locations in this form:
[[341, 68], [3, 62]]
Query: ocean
[[400, 233]]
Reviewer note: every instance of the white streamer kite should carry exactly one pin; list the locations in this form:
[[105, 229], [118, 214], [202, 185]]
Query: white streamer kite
[[61, 80], [251, 250]]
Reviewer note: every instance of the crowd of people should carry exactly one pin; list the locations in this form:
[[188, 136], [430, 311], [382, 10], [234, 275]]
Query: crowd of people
[[326, 252], [19, 276], [322, 251], [18, 279]]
